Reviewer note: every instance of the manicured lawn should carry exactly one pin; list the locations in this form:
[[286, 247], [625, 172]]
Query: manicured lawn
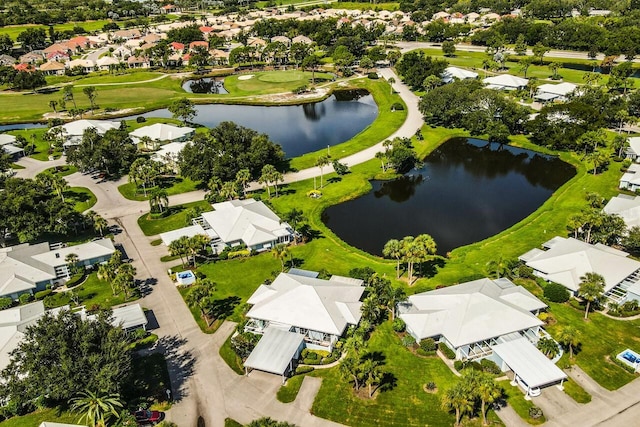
[[82, 197], [64, 170], [36, 136], [406, 404], [172, 185], [515, 398], [231, 358], [289, 391], [176, 219], [35, 418], [383, 126], [93, 293], [264, 82], [151, 379], [576, 392], [390, 6]]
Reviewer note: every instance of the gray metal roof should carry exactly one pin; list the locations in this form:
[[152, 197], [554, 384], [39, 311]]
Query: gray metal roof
[[529, 363], [274, 351]]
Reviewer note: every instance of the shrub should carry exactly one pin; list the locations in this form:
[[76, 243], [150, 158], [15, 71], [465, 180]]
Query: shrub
[[300, 370], [431, 385], [555, 292], [243, 344], [631, 305], [300, 89], [535, 412], [25, 298], [428, 344], [239, 254], [421, 352], [525, 272], [42, 294], [312, 361], [450, 354], [140, 119], [311, 356], [408, 341], [458, 365], [397, 106], [490, 366], [373, 76], [399, 325], [5, 302]]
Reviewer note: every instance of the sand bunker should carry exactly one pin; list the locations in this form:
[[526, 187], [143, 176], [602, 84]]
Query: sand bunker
[[246, 77]]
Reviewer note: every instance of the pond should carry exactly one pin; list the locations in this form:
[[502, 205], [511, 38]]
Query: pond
[[467, 190], [299, 129], [204, 85]]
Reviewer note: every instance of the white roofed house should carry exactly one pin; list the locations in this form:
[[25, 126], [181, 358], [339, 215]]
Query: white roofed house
[[633, 151], [505, 82], [454, 73], [630, 180], [72, 132], [162, 132], [299, 310], [247, 222], [485, 319], [555, 92], [566, 260], [627, 207], [106, 63], [9, 144]]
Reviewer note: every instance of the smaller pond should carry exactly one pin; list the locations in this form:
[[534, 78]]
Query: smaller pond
[[467, 190], [205, 85]]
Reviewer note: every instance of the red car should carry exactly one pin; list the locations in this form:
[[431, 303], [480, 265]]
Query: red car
[[146, 416]]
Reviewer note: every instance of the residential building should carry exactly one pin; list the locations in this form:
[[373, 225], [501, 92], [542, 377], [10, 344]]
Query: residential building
[[86, 65], [485, 319], [29, 268], [633, 151], [566, 260], [72, 132], [106, 62], [555, 92], [630, 180], [162, 132], [32, 57], [299, 310], [7, 60], [9, 145], [52, 68], [627, 207], [505, 82], [454, 73]]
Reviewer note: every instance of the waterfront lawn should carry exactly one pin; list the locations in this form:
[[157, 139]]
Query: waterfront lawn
[[177, 218], [82, 197], [171, 184], [383, 126], [265, 82], [406, 404], [36, 136], [600, 339]]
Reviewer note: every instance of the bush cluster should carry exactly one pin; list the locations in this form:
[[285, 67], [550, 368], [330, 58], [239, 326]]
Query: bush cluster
[[428, 345], [373, 76], [396, 106], [304, 370], [450, 354], [42, 294], [555, 292], [399, 325]]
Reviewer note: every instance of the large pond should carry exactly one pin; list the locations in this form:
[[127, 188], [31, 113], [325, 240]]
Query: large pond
[[299, 129], [466, 191]]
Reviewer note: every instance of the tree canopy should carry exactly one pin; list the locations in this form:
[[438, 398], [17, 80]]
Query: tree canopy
[[415, 67], [227, 149], [111, 153]]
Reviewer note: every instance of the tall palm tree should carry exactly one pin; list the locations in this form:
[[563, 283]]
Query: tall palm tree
[[159, 199], [425, 247], [243, 177], [107, 273], [321, 163], [99, 224], [569, 337], [391, 81], [59, 185], [548, 347], [393, 296], [229, 190], [72, 262], [488, 391], [125, 276], [179, 248], [96, 409], [91, 94], [293, 218], [382, 156], [590, 289], [195, 246], [393, 249], [198, 297], [280, 252], [266, 177], [457, 398]]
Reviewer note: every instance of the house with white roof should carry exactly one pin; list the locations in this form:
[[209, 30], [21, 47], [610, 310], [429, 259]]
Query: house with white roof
[[72, 132], [630, 180], [13, 324], [168, 155], [505, 82], [555, 92], [299, 310], [30, 268], [492, 319], [9, 145], [625, 206], [633, 151], [162, 132], [249, 222], [128, 317], [454, 73], [565, 260]]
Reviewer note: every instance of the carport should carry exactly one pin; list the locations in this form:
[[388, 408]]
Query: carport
[[275, 352], [528, 363]]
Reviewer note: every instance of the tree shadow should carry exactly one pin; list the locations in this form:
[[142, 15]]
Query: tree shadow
[[294, 263], [430, 268], [388, 382], [77, 197], [180, 363], [223, 308], [334, 179], [286, 191]]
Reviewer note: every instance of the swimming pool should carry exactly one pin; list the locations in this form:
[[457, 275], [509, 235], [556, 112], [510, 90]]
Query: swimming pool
[[629, 357]]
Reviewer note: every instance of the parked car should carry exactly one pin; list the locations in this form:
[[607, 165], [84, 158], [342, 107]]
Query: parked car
[[148, 417], [533, 391]]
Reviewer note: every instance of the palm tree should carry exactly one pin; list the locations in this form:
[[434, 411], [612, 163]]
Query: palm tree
[[393, 296], [199, 297], [266, 177], [72, 262], [195, 245], [488, 391], [391, 81], [393, 249], [179, 248], [96, 409], [125, 275], [457, 398], [381, 156], [350, 368], [107, 273], [569, 337], [90, 92], [425, 247], [293, 218], [548, 347], [590, 289], [321, 163], [243, 177], [372, 372], [158, 200], [281, 252], [99, 223], [370, 308], [59, 185], [229, 190], [54, 105]]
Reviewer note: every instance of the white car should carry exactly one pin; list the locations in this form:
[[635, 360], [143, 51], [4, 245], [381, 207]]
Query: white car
[[531, 391]]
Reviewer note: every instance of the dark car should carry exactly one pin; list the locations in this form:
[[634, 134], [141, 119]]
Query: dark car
[[146, 416]]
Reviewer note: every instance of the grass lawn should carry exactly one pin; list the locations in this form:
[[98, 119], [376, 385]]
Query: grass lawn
[[390, 6], [177, 218], [93, 293], [64, 170], [172, 185], [576, 392], [515, 398], [406, 404], [35, 418], [288, 392], [151, 379], [36, 136], [228, 422], [264, 82], [82, 197], [231, 358], [383, 126]]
